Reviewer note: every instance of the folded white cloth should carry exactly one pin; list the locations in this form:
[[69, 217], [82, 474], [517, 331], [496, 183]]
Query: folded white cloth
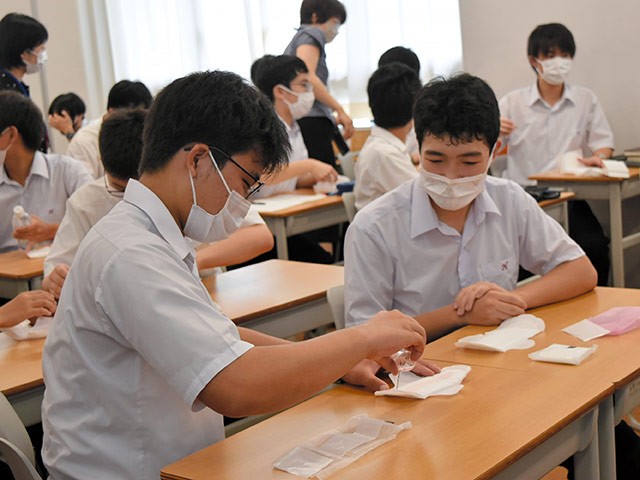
[[513, 334], [447, 382], [26, 331], [557, 353], [39, 252]]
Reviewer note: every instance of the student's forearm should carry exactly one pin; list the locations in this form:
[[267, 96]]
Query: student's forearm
[[295, 169], [270, 378], [323, 95], [440, 322], [243, 245], [567, 280], [260, 339]]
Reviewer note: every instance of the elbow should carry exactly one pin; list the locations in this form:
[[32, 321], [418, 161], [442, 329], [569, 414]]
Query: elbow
[[264, 241], [588, 275]]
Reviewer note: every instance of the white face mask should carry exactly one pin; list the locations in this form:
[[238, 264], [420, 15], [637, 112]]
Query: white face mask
[[454, 194], [37, 67], [302, 105], [331, 32], [205, 227], [555, 70]]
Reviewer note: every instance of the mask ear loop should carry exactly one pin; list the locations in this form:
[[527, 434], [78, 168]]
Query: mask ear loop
[[215, 164]]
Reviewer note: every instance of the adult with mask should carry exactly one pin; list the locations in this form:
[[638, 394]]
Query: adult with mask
[[320, 21], [137, 343], [445, 247], [551, 117]]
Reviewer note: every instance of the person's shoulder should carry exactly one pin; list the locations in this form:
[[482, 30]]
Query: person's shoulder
[[516, 95], [65, 163], [307, 32], [385, 207], [582, 93], [507, 193], [92, 194], [90, 131]]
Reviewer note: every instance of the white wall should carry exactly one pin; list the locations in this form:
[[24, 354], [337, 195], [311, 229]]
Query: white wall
[[494, 45]]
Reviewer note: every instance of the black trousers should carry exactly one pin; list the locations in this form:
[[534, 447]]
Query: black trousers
[[317, 133], [585, 229]]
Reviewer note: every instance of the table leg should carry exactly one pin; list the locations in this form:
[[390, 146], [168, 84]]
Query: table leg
[[615, 218], [280, 232], [606, 439]]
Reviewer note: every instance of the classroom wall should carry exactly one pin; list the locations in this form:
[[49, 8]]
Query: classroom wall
[[494, 42]]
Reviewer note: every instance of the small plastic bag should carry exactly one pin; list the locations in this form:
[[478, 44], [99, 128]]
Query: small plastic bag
[[328, 452], [618, 320]]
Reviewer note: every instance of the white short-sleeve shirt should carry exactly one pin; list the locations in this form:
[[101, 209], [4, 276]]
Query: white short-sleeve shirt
[[84, 208], [383, 163], [51, 181], [398, 255], [543, 132], [135, 339], [85, 147], [298, 152]]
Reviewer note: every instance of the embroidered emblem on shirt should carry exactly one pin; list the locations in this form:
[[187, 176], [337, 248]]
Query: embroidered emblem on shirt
[[504, 266]]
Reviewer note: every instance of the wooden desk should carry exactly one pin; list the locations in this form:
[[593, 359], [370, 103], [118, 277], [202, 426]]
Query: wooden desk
[[615, 190], [304, 218], [617, 360], [278, 297], [464, 436], [557, 208], [19, 273], [21, 377]]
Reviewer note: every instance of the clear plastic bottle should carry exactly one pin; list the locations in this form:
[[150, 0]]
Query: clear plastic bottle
[[20, 219]]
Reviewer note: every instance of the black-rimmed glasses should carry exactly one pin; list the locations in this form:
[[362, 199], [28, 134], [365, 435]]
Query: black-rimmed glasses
[[251, 188]]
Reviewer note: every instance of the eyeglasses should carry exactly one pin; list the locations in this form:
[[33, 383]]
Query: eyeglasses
[[112, 191], [252, 188]]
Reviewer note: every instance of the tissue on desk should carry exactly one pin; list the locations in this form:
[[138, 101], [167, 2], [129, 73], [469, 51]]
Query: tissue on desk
[[447, 382], [513, 334], [557, 353], [26, 331]]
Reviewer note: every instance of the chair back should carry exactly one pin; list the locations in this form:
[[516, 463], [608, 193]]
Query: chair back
[[335, 297]]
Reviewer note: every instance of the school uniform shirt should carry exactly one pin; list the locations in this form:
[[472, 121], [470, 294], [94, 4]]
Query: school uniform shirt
[[398, 255], [84, 208], [51, 181], [543, 132], [84, 146], [298, 152], [134, 341], [383, 163]]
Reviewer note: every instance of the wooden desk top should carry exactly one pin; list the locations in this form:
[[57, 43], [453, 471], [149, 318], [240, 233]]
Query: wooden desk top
[[327, 201], [564, 197], [271, 286], [556, 176], [16, 265], [20, 364], [449, 437], [556, 317]]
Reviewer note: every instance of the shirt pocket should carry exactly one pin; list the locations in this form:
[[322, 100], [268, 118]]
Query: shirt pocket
[[503, 272]]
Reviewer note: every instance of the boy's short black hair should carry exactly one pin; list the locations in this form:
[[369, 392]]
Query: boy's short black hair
[[120, 142], [392, 89], [128, 94], [19, 33], [19, 111], [67, 102], [402, 55], [324, 10], [462, 108], [269, 71], [219, 109], [549, 36]]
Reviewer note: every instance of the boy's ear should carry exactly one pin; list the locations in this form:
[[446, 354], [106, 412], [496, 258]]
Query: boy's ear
[[533, 61]]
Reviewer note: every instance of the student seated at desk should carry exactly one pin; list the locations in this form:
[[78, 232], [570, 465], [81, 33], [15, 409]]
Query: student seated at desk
[[27, 305], [384, 161], [139, 364], [551, 117], [40, 183], [445, 248]]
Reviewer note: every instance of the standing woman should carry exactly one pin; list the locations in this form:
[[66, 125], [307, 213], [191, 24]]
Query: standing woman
[[22, 50], [319, 24]]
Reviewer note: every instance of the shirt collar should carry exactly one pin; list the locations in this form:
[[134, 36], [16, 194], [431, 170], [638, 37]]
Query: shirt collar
[[139, 195], [38, 167], [387, 136], [534, 95], [293, 129]]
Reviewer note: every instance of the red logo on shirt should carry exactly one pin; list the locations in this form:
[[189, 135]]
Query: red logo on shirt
[[504, 266], [51, 211]]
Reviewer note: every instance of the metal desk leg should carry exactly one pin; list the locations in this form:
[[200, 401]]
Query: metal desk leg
[[617, 251], [565, 216], [280, 232], [606, 439]]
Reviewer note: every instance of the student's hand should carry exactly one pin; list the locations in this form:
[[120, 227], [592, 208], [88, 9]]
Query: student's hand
[[494, 307], [364, 374], [63, 123], [27, 305], [593, 161], [54, 282], [347, 124], [506, 126], [388, 332], [38, 231], [466, 297], [323, 172]]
